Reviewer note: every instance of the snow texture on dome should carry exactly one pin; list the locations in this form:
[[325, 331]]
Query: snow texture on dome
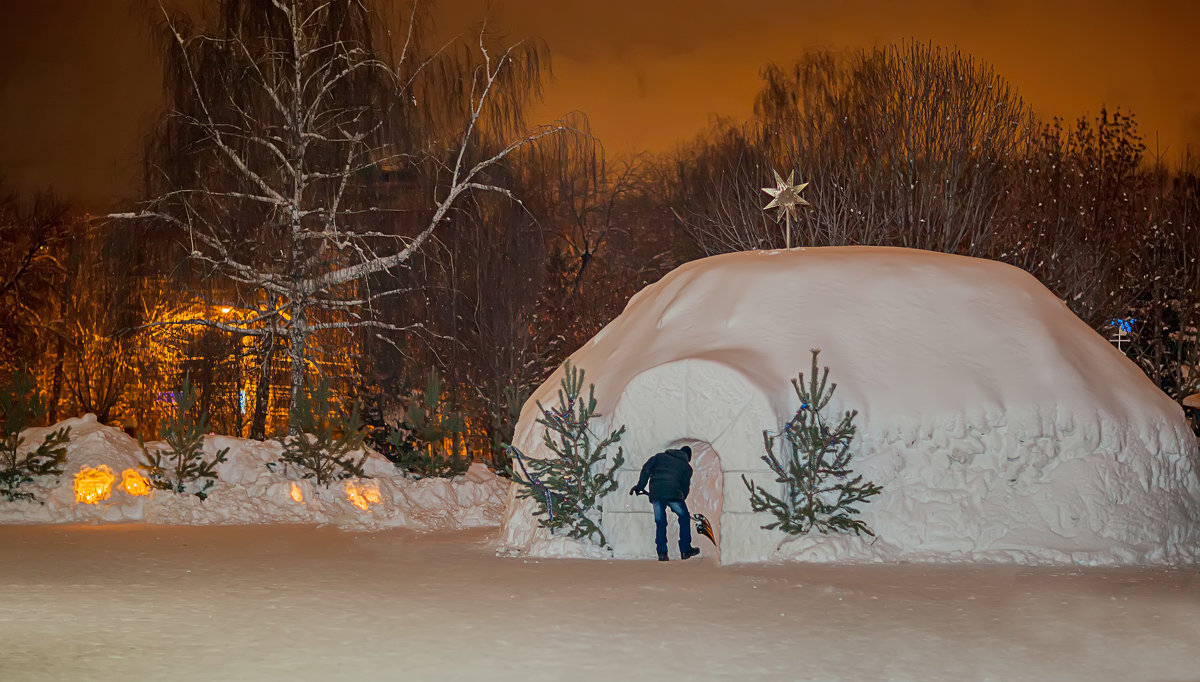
[[1000, 426]]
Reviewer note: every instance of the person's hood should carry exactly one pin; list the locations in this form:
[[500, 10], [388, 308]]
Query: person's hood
[[684, 453]]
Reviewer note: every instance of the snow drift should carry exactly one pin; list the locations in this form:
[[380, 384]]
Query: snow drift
[[249, 491], [1000, 426]]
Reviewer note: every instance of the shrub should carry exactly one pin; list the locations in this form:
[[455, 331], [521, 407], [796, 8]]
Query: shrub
[[428, 440], [183, 466], [323, 450], [568, 486], [21, 407], [815, 471]]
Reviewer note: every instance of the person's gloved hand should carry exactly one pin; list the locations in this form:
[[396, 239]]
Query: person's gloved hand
[[635, 490]]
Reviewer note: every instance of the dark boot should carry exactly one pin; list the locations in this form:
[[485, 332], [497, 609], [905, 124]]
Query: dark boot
[[691, 553], [663, 557]]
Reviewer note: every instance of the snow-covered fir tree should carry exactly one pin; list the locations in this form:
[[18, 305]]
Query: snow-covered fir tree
[[568, 486]]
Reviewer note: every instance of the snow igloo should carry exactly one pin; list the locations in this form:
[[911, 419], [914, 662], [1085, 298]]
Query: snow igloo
[[999, 425]]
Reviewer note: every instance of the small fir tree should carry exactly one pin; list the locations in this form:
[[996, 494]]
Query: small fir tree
[[323, 450], [818, 489], [183, 464], [568, 487], [21, 407], [429, 441]]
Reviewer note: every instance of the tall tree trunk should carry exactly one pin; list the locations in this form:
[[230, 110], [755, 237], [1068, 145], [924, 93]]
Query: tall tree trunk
[[297, 338], [56, 387], [262, 391], [60, 352]]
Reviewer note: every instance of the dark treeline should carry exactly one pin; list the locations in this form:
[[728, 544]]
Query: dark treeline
[[907, 145], [924, 147]]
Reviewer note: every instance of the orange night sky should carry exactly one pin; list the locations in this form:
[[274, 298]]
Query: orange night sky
[[79, 79]]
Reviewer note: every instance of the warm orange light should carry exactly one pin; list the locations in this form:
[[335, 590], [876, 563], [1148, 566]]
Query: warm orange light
[[371, 494], [226, 310], [297, 495], [134, 483], [93, 485], [363, 495]]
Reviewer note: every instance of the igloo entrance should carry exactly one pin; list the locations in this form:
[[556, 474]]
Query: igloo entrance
[[717, 412], [631, 528]]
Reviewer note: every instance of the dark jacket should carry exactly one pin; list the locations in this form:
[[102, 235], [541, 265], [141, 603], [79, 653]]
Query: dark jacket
[[669, 474]]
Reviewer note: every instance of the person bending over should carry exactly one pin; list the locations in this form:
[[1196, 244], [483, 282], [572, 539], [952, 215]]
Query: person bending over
[[670, 476]]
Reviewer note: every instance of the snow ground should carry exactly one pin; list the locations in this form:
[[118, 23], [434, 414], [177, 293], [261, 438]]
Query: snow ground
[[296, 603]]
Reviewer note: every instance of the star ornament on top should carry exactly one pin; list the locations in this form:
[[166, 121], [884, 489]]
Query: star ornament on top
[[785, 196]]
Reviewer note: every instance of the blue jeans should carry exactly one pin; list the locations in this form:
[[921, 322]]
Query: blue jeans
[[660, 525]]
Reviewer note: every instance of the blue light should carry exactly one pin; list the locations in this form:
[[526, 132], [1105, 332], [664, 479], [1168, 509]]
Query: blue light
[[1124, 324]]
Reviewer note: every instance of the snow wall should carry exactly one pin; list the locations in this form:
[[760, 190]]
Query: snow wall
[[1000, 426], [252, 487]]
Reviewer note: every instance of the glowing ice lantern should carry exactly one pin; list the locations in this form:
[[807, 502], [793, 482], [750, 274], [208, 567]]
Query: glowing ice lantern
[[363, 495], [134, 483], [297, 495], [371, 493], [93, 485]]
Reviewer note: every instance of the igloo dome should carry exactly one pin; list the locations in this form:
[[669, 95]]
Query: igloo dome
[[999, 425]]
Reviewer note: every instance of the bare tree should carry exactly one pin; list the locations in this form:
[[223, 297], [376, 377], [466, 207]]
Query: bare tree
[[285, 116], [1164, 283], [514, 288], [1074, 214], [712, 189], [580, 194], [32, 239], [99, 322], [584, 203], [903, 145], [498, 270]]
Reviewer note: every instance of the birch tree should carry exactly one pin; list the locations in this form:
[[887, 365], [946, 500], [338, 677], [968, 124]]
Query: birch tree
[[288, 119]]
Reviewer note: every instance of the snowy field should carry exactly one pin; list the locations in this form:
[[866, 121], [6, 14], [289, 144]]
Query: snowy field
[[292, 602]]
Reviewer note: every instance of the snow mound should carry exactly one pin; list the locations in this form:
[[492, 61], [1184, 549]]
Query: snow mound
[[252, 488], [1000, 426]]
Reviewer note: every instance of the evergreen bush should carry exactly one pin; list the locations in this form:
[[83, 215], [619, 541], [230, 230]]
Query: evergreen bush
[[818, 489], [21, 407], [568, 486], [182, 466], [428, 439], [323, 450]]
